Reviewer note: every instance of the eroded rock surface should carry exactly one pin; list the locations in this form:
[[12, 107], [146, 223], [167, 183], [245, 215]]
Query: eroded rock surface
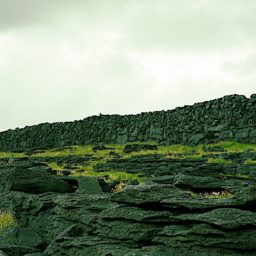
[[187, 207]]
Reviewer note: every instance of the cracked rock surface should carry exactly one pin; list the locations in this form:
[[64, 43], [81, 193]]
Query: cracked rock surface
[[172, 213]]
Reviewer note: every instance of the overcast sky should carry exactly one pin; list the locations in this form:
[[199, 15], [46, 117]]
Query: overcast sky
[[69, 59]]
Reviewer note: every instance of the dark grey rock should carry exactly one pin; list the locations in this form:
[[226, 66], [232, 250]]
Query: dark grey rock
[[228, 118]]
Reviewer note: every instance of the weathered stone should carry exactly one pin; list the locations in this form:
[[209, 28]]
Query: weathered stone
[[88, 185], [31, 179], [183, 207], [3, 254], [225, 118], [228, 218]]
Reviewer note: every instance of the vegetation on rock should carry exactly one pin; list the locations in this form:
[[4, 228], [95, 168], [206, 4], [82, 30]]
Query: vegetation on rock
[[7, 220], [178, 182]]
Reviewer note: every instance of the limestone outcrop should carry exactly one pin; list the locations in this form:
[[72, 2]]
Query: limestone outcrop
[[186, 207]]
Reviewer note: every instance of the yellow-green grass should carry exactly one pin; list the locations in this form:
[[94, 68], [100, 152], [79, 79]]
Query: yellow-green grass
[[218, 161], [11, 155], [73, 150], [7, 220], [86, 150], [89, 171], [228, 146], [250, 161], [112, 175], [211, 195], [232, 146], [218, 195], [172, 151], [238, 175]]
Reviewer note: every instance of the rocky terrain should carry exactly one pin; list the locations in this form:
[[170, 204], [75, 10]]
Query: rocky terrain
[[135, 199], [169, 183]]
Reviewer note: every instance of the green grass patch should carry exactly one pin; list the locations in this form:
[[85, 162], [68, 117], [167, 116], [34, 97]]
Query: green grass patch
[[218, 195], [71, 151], [169, 151], [11, 155], [86, 150], [112, 175], [238, 175], [212, 195], [177, 149], [140, 153], [250, 161], [218, 161], [232, 146], [80, 170], [7, 220], [56, 166]]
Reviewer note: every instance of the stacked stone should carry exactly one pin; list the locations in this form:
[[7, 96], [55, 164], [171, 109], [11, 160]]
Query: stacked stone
[[229, 118]]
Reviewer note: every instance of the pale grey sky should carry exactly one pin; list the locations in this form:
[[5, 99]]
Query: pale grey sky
[[69, 59]]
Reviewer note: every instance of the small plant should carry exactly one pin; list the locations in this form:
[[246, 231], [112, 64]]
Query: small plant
[[56, 166], [214, 194], [7, 220], [218, 194], [118, 188], [191, 193]]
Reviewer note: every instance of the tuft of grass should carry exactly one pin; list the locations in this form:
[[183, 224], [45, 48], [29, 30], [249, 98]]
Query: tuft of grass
[[218, 161], [111, 174], [7, 220], [11, 155], [191, 193], [218, 195], [56, 166], [89, 171], [118, 188], [212, 195], [250, 161], [177, 149], [243, 176], [232, 146], [140, 153]]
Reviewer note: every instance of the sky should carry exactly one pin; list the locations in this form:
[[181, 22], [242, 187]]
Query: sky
[[69, 59]]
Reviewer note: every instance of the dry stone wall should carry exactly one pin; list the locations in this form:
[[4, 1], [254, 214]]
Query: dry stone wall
[[231, 117]]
